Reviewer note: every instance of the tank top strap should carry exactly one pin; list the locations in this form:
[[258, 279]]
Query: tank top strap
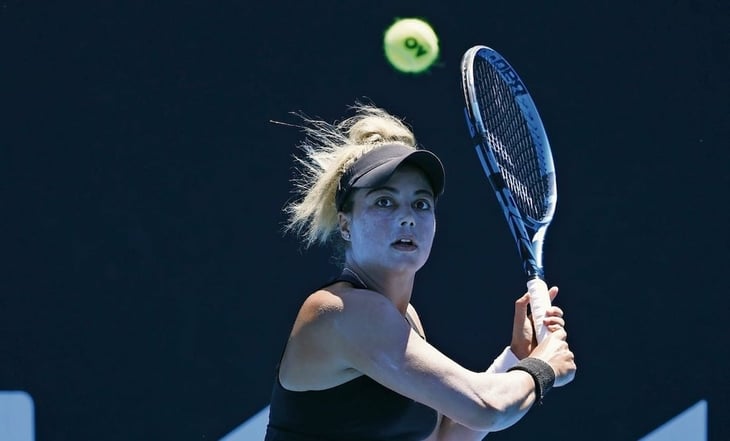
[[347, 276]]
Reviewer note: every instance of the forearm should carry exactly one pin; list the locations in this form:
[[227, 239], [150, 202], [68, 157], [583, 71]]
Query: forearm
[[509, 395], [502, 399], [450, 430]]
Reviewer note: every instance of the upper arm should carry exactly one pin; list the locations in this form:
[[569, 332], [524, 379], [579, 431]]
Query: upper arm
[[373, 338], [339, 336]]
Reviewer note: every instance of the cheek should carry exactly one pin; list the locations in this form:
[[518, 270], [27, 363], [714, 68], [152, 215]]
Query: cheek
[[370, 232], [429, 228], [427, 221], [369, 227], [366, 242]]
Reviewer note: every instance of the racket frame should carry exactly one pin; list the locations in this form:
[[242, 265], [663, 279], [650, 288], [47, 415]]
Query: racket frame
[[529, 233]]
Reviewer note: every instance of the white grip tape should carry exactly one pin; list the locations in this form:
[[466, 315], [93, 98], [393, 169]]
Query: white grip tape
[[539, 304]]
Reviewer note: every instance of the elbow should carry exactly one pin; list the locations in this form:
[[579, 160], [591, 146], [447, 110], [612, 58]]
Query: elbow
[[487, 416], [497, 408], [493, 402]]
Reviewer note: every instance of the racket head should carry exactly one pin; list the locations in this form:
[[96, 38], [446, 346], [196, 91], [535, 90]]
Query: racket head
[[503, 118]]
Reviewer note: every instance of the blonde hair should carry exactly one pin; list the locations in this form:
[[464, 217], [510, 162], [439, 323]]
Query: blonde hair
[[328, 151]]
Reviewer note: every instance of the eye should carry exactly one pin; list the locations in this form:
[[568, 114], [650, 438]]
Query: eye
[[384, 202], [422, 204]]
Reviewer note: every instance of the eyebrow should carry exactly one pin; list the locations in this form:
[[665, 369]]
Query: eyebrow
[[396, 191]]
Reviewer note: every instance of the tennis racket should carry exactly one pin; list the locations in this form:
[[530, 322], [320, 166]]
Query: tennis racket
[[513, 148]]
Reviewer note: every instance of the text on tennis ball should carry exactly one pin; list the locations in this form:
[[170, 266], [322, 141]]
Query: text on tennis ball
[[413, 45]]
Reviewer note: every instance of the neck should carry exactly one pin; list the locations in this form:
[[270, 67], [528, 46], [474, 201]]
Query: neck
[[397, 287]]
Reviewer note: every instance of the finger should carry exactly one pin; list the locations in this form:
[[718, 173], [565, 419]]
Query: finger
[[554, 311], [521, 304], [553, 292], [554, 321], [555, 327], [560, 333]]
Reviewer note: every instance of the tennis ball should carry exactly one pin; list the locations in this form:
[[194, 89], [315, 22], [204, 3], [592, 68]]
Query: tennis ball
[[411, 45]]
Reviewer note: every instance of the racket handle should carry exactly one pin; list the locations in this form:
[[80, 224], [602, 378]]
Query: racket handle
[[539, 304]]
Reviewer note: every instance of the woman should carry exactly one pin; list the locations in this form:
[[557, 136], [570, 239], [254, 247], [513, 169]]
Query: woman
[[357, 365]]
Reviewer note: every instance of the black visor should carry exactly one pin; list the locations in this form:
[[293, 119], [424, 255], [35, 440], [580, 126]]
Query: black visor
[[378, 165]]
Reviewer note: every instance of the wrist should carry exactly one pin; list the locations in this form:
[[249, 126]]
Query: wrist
[[542, 374], [520, 351]]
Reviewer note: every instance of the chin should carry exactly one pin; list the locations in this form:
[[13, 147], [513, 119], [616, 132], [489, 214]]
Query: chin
[[410, 263]]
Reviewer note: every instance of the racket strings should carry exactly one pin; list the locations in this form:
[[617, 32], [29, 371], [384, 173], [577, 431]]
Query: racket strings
[[509, 136]]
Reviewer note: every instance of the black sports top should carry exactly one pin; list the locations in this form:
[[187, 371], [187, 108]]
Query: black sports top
[[358, 410]]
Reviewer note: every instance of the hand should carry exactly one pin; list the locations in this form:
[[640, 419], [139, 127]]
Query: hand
[[555, 351], [523, 330]]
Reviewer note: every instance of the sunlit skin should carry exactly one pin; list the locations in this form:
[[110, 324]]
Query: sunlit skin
[[342, 332], [391, 230], [362, 324]]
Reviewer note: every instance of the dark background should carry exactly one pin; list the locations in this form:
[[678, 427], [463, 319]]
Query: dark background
[[146, 289]]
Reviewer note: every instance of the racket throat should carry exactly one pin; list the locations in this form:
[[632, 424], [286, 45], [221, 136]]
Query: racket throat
[[537, 241]]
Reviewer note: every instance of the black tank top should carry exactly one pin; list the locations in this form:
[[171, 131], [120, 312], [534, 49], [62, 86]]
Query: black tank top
[[358, 410]]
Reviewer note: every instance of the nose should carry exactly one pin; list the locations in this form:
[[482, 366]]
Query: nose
[[407, 218]]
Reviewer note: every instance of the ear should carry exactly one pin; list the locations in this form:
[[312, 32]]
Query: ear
[[344, 222]]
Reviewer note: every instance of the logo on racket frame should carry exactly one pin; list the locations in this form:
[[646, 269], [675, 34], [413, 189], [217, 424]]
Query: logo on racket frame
[[509, 75]]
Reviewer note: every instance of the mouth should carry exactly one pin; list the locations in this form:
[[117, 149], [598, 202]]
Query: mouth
[[405, 245]]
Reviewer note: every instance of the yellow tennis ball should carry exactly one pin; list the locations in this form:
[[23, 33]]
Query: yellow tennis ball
[[411, 45]]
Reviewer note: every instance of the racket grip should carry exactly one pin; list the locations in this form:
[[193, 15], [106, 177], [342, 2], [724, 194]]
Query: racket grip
[[539, 304]]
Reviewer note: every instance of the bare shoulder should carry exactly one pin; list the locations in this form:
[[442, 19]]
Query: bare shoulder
[[350, 310], [320, 306], [329, 322], [342, 333]]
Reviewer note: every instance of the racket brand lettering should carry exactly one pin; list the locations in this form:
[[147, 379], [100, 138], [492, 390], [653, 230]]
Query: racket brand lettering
[[510, 76]]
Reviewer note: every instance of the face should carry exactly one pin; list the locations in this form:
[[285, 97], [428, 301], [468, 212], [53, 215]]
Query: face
[[392, 226]]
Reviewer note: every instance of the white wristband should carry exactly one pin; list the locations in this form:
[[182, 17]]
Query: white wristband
[[504, 361]]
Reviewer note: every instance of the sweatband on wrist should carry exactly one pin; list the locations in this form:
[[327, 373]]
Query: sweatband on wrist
[[542, 374]]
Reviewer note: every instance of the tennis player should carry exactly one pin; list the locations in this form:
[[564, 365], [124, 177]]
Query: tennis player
[[357, 365]]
